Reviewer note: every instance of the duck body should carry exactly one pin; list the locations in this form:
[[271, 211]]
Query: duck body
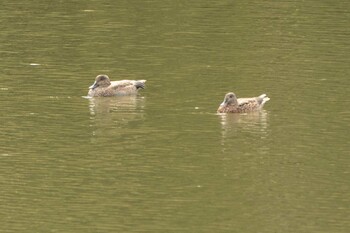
[[103, 87], [242, 105]]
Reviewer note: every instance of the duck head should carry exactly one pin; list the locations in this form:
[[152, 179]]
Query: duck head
[[101, 80], [230, 99]]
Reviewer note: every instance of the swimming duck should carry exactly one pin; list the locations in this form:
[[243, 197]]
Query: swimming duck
[[233, 105], [104, 87]]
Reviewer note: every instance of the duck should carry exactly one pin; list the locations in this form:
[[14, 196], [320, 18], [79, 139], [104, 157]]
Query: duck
[[104, 87], [242, 105]]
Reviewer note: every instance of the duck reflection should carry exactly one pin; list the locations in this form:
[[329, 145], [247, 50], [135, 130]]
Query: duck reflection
[[110, 113], [246, 120], [235, 125], [115, 104]]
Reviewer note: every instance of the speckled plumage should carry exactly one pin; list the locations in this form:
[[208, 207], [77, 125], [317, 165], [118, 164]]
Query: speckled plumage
[[233, 105], [104, 87]]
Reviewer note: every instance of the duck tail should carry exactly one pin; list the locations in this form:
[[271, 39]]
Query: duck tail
[[263, 99], [140, 84]]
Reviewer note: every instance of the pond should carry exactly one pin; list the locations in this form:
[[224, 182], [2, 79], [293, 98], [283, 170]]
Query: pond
[[164, 160]]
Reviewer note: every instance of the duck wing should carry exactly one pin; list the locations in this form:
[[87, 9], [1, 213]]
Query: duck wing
[[244, 101], [127, 84], [255, 103], [248, 104]]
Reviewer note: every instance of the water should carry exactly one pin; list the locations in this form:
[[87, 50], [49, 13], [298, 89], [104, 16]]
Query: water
[[164, 161]]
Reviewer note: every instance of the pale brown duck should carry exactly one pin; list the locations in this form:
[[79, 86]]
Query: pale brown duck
[[104, 87], [241, 105]]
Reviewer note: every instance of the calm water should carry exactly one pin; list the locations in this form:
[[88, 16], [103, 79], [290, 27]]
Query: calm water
[[164, 161]]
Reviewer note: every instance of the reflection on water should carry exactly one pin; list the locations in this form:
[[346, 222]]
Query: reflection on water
[[242, 128], [115, 104], [246, 120], [110, 113], [250, 122]]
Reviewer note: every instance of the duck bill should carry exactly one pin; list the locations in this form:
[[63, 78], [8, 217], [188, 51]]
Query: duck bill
[[93, 86], [224, 103]]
